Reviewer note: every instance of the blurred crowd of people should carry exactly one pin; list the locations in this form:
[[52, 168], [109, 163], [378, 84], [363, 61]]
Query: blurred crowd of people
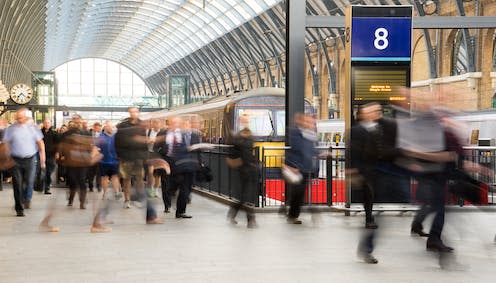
[[129, 162], [135, 160], [422, 143]]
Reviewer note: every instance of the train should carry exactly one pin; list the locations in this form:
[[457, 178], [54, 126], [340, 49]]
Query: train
[[219, 115]]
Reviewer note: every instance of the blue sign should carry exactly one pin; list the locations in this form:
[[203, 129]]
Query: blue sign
[[381, 39]]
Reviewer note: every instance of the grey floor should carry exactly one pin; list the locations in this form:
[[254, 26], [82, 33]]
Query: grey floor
[[207, 249]]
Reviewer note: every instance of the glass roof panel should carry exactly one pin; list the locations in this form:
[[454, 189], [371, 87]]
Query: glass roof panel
[[156, 33]]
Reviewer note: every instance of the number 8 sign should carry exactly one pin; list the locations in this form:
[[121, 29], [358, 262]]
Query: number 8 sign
[[381, 39]]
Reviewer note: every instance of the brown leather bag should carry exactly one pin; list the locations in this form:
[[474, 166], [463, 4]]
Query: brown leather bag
[[234, 162], [78, 151], [6, 160]]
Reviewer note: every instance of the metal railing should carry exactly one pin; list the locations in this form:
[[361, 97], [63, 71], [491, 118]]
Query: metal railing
[[323, 188], [483, 156], [327, 186]]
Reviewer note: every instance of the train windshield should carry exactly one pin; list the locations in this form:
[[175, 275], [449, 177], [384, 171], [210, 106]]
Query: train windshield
[[261, 121], [281, 122], [267, 116]]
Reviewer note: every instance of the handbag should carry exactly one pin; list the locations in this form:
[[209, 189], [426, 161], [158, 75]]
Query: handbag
[[464, 186], [290, 176], [6, 160], [77, 151], [234, 162], [204, 175]]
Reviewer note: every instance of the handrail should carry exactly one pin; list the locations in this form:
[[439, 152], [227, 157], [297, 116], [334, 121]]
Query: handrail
[[317, 147], [480, 147]]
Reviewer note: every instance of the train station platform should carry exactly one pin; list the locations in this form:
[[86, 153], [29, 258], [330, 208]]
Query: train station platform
[[207, 249]]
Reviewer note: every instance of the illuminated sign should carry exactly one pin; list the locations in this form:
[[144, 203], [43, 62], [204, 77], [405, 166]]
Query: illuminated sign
[[379, 84], [381, 39]]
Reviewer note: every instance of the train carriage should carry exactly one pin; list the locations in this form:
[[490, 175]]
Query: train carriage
[[266, 108]]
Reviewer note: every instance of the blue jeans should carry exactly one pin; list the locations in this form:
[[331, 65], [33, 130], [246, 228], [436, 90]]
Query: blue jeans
[[23, 174]]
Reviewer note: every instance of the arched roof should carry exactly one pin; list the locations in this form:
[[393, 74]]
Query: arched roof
[[207, 39]]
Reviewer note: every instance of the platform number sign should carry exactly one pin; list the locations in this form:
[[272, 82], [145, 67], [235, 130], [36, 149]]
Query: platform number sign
[[381, 39], [381, 42]]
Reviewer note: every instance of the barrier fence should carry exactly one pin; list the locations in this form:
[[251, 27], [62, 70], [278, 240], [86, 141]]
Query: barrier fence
[[327, 185]]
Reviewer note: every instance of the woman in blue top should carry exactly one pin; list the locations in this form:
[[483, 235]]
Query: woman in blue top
[[109, 171]]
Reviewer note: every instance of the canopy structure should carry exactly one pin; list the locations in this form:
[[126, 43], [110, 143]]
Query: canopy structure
[[213, 41]]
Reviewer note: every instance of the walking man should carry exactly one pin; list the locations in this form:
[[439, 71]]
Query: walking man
[[25, 141]]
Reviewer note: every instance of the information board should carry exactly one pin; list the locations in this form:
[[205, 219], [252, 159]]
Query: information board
[[370, 83]]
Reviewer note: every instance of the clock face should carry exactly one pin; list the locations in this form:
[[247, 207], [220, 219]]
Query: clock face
[[21, 93]]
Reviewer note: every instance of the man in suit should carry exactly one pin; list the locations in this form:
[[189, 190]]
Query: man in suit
[[373, 150], [164, 148]]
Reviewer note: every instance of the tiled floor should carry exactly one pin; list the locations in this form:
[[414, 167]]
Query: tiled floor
[[207, 249]]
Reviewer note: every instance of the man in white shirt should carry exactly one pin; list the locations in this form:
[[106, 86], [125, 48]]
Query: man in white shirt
[[25, 141]]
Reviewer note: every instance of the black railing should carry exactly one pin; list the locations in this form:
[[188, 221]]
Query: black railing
[[323, 188], [326, 187]]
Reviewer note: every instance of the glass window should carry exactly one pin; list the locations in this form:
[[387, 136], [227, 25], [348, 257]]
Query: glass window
[[74, 90], [100, 65], [261, 121], [100, 90], [74, 77], [100, 78], [62, 89], [87, 65], [87, 89], [74, 66], [87, 78], [113, 78], [494, 52], [281, 122], [113, 90], [460, 55], [97, 82], [126, 90]]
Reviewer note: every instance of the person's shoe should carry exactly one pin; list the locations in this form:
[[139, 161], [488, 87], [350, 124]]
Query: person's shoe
[[367, 257], [91, 189], [47, 192], [127, 204], [438, 246], [166, 210], [371, 225], [419, 232], [151, 193], [292, 220], [155, 220], [183, 215], [232, 221], [47, 228], [82, 206], [107, 221], [118, 196], [100, 229], [20, 214], [27, 204], [252, 224]]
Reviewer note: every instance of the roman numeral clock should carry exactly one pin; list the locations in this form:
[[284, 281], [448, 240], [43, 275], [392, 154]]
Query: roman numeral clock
[[21, 93]]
